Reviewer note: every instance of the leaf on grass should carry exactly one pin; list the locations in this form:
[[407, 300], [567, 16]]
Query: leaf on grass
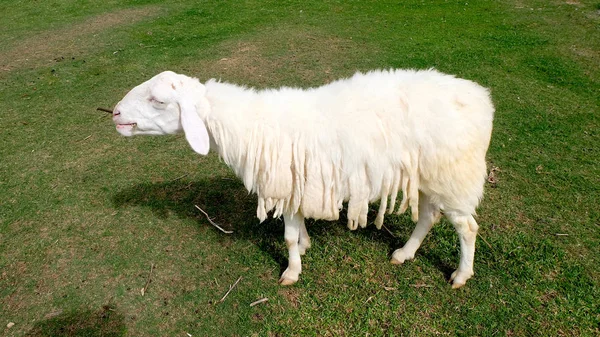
[[492, 176]]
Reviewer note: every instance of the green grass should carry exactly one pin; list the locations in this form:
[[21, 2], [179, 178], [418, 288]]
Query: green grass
[[85, 213]]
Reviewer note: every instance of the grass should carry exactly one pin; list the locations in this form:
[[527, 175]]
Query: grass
[[84, 213]]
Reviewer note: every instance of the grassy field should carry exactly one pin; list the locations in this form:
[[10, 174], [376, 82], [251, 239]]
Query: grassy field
[[89, 218]]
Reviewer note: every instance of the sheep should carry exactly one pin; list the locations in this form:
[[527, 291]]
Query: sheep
[[304, 152]]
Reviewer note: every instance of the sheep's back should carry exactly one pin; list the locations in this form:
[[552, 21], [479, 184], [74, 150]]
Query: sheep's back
[[364, 139]]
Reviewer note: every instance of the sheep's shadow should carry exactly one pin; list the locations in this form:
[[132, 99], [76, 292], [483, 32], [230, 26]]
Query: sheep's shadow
[[107, 321], [228, 203], [396, 239], [224, 199]]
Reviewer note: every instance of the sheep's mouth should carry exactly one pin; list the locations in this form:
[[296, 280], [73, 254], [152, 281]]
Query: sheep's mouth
[[126, 125], [126, 129]]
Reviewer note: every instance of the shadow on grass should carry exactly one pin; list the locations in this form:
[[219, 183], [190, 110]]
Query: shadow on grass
[[224, 199], [229, 204], [106, 322]]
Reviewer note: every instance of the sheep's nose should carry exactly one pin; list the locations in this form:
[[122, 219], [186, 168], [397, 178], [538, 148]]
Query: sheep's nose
[[116, 113]]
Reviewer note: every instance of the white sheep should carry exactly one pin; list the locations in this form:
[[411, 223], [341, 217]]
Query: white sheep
[[304, 152]]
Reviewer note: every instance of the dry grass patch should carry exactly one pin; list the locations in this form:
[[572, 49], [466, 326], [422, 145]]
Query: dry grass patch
[[585, 52], [56, 45], [291, 295], [271, 56]]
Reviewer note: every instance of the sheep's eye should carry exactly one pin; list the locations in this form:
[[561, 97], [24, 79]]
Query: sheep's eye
[[155, 101]]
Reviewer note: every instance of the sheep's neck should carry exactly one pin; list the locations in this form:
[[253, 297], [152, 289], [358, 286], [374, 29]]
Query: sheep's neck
[[229, 121]]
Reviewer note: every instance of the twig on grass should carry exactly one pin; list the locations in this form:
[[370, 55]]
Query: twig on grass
[[230, 289], [212, 222], [105, 110], [262, 300], [387, 230], [482, 238], [86, 138], [562, 234], [143, 290], [421, 285], [182, 176]]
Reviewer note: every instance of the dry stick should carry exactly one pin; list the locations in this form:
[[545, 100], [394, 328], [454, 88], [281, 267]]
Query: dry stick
[[482, 238], [212, 222], [421, 285], [230, 289], [148, 280], [259, 301], [105, 110], [172, 180], [387, 230]]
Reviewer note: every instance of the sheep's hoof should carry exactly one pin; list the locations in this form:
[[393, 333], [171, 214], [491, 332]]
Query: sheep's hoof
[[286, 282], [288, 277], [459, 278], [399, 256], [457, 285]]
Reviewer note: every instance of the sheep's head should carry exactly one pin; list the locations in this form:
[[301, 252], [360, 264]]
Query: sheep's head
[[165, 104]]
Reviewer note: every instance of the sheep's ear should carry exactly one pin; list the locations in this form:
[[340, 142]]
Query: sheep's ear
[[193, 127]]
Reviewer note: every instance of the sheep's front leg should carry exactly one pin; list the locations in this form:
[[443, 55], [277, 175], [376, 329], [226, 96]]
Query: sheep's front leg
[[293, 225]]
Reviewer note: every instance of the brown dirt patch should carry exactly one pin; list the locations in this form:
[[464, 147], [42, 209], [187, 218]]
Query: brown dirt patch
[[291, 295], [585, 52], [52, 45], [274, 56]]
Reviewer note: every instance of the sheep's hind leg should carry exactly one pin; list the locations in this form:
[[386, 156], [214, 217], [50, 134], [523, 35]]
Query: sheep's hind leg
[[466, 228], [429, 214], [293, 225], [304, 239]]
